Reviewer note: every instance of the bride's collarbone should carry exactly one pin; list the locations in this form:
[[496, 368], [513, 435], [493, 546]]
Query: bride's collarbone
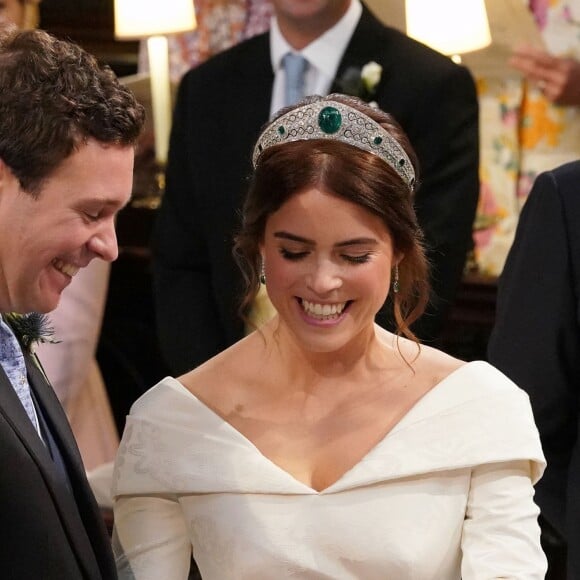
[[308, 420]]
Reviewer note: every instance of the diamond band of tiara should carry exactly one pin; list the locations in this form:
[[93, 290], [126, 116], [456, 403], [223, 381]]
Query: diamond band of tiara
[[338, 122]]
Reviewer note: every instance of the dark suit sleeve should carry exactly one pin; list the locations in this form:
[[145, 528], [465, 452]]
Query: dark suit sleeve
[[187, 321], [535, 340], [444, 130]]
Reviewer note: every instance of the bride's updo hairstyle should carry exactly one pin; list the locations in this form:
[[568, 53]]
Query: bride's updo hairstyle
[[358, 153]]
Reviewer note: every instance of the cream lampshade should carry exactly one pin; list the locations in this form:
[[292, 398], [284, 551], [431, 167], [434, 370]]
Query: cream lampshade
[[451, 27], [152, 19]]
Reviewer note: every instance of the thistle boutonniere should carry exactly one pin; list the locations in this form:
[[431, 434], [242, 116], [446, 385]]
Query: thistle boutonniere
[[363, 82], [30, 329]]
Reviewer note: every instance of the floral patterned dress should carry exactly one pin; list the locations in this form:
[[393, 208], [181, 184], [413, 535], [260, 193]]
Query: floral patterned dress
[[522, 134]]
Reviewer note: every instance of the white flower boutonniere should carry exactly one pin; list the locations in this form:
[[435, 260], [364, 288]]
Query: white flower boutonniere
[[363, 82], [30, 329], [371, 75]]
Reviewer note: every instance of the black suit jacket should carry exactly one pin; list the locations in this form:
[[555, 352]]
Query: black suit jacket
[[220, 109], [49, 531], [536, 339]]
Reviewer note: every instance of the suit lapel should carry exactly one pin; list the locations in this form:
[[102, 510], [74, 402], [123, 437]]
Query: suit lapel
[[256, 89], [54, 413], [362, 49], [71, 506]]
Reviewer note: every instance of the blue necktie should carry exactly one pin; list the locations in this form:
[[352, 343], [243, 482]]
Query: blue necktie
[[295, 66], [12, 361]]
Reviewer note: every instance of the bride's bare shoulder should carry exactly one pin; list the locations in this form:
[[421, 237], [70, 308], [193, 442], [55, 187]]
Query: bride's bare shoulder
[[425, 360], [438, 363], [218, 379]]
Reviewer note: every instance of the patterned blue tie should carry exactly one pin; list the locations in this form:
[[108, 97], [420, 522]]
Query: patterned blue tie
[[12, 361], [295, 66]]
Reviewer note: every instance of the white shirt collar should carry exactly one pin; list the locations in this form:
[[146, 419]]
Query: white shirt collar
[[325, 53]]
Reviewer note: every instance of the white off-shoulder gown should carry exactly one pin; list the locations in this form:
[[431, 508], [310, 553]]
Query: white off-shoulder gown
[[447, 494]]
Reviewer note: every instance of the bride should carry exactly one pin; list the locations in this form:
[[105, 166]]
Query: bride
[[321, 445]]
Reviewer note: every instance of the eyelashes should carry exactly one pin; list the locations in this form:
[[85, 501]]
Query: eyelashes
[[292, 256], [362, 259], [296, 256], [92, 217]]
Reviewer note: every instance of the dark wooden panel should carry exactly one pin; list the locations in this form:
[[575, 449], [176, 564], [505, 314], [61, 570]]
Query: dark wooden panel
[[471, 319], [90, 23]]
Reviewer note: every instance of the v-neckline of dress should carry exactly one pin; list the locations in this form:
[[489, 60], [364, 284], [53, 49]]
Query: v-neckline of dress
[[340, 481]]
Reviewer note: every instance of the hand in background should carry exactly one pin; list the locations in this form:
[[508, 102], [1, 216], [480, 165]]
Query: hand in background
[[557, 77]]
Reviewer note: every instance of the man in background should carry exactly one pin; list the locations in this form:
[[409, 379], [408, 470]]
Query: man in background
[[67, 135], [220, 108], [536, 342]]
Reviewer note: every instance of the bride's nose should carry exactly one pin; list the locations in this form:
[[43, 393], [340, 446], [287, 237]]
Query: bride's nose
[[324, 277]]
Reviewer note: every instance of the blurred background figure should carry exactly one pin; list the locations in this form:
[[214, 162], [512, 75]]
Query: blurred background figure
[[558, 78], [530, 123], [536, 342]]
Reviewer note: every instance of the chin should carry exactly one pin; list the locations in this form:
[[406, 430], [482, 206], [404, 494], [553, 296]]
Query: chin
[[322, 345], [43, 305]]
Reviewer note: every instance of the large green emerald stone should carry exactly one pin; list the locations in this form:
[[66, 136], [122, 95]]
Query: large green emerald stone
[[329, 120]]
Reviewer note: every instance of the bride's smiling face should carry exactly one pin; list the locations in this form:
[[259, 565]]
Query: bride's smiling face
[[328, 268]]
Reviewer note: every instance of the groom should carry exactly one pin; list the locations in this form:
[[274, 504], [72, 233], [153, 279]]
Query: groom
[[67, 135]]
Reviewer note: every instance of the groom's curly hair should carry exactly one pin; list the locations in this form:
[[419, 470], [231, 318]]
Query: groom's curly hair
[[54, 96]]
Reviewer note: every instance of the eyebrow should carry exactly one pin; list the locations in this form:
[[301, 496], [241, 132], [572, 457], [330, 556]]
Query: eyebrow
[[354, 242], [105, 201]]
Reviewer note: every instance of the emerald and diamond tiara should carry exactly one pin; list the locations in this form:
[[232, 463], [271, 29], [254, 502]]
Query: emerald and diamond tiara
[[326, 119]]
